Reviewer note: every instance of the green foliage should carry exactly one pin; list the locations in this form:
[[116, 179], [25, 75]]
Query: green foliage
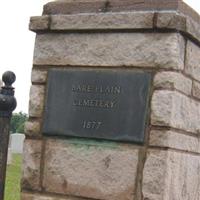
[[13, 176], [17, 122]]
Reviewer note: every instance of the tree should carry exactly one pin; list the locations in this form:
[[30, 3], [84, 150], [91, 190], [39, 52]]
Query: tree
[[17, 122]]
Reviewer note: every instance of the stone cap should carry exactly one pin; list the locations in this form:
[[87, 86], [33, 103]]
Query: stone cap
[[117, 15], [98, 6]]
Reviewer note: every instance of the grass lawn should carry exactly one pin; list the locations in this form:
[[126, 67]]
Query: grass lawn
[[13, 176]]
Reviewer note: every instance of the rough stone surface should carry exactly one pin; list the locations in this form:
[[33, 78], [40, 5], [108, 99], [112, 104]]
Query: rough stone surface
[[172, 139], [170, 108], [154, 175], [183, 181], [196, 89], [161, 108], [111, 49], [63, 7], [94, 6], [173, 80], [27, 196], [171, 175], [80, 1], [172, 20], [193, 60], [36, 102], [39, 23], [32, 128], [92, 171], [193, 28], [102, 21], [31, 164], [38, 76], [108, 171]]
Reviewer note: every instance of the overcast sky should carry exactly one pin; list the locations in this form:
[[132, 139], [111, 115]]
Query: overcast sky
[[17, 42]]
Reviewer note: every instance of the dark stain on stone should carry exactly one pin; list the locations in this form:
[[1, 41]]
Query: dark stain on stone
[[106, 7], [107, 161]]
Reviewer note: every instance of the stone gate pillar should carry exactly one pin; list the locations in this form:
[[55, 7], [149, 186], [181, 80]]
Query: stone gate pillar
[[158, 37]]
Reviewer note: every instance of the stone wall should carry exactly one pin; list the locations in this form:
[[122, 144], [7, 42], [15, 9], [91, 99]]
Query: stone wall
[[167, 166]]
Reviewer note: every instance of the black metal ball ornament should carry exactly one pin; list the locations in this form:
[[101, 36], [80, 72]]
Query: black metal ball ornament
[[8, 78], [7, 100]]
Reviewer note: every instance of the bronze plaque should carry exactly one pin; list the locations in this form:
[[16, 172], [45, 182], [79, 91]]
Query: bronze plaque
[[100, 104]]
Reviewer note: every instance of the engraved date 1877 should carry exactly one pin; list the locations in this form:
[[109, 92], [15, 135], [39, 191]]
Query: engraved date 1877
[[91, 125]]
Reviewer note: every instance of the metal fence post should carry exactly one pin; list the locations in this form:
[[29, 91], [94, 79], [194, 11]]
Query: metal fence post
[[7, 105]]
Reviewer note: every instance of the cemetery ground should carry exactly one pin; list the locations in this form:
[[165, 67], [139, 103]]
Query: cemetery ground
[[13, 176]]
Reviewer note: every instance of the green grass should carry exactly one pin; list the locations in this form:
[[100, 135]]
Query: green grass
[[13, 176]]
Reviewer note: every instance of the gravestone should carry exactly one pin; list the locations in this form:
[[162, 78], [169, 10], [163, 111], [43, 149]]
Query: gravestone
[[9, 157], [114, 103], [17, 142]]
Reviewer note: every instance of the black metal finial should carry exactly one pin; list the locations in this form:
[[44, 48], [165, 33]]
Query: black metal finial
[[7, 105], [7, 100], [8, 78]]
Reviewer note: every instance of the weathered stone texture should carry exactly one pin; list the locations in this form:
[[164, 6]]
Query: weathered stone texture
[[111, 49], [32, 128], [173, 80], [172, 139], [109, 171], [172, 20], [80, 0], [98, 172], [171, 176], [39, 23], [183, 181], [72, 19], [36, 102], [196, 89], [94, 6], [27, 196], [193, 28], [106, 21], [154, 175], [161, 106], [38, 76], [63, 7], [170, 108], [31, 164], [193, 60]]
